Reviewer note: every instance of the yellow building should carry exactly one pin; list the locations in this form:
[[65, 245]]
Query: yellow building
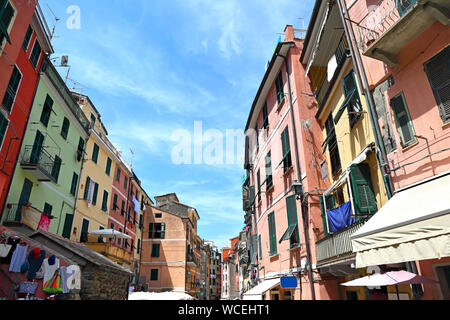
[[352, 171], [95, 183]]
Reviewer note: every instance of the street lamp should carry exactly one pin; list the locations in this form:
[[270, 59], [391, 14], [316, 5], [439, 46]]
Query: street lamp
[[298, 189]]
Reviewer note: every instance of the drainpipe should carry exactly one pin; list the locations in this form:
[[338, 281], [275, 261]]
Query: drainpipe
[[363, 83], [299, 177]]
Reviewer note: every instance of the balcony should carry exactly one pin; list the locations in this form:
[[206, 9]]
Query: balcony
[[109, 250], [337, 245], [192, 260], [22, 215], [39, 163], [392, 24]]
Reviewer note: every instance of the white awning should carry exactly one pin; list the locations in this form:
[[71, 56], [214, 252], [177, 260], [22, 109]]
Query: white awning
[[256, 292], [110, 233], [413, 225]]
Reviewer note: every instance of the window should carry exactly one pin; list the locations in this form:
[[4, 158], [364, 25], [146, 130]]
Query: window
[[80, 149], [332, 144], [279, 87], [35, 54], [351, 103], [65, 128], [115, 206], [48, 208], [108, 166], [3, 127], [438, 71], [403, 121], [268, 181], [272, 234], [105, 201], [92, 121], [363, 194], [154, 275], [122, 210], [118, 174], [330, 204], [56, 168], [6, 15], [265, 116], [258, 178], [286, 149], [90, 191], [138, 245], [37, 147], [155, 249], [157, 231], [26, 40], [11, 90], [119, 240], [291, 233], [125, 183], [95, 151], [73, 186], [158, 215], [46, 111]]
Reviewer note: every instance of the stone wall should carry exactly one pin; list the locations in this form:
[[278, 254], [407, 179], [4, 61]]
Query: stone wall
[[101, 284]]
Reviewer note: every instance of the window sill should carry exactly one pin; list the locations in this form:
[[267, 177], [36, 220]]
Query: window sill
[[281, 104], [409, 146], [446, 124], [289, 171]]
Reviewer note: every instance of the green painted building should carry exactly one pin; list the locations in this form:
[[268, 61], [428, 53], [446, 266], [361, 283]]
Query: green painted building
[[46, 177]]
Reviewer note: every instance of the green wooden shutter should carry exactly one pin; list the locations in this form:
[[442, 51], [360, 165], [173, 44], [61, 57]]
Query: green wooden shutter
[[108, 166], [37, 147], [403, 120], [46, 110], [95, 153], [122, 210], [115, 206], [73, 186], [265, 116], [65, 128], [105, 201], [330, 205], [260, 246], [363, 194], [94, 197], [48, 208], [438, 71], [163, 231], [86, 188], [258, 178], [11, 90], [286, 149], [67, 229], [279, 87], [272, 234], [150, 230], [56, 168], [291, 208]]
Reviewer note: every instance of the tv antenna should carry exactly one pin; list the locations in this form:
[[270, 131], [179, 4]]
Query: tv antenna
[[52, 35]]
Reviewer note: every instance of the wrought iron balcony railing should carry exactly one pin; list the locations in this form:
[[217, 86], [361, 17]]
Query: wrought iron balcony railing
[[39, 161]]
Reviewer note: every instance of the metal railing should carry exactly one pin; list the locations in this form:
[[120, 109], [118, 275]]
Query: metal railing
[[341, 55], [381, 18], [40, 159], [338, 243]]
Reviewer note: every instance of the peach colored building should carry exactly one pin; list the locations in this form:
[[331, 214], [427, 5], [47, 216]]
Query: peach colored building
[[168, 261], [402, 53], [283, 166]]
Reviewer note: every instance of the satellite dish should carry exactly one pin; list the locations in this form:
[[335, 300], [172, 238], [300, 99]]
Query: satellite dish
[[64, 61]]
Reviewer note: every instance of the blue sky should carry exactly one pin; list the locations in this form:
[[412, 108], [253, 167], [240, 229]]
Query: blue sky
[[152, 67]]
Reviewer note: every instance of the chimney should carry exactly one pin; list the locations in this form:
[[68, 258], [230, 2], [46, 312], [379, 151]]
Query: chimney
[[289, 33]]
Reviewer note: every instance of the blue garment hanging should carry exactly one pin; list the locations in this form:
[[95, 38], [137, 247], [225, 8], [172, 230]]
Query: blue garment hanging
[[341, 217]]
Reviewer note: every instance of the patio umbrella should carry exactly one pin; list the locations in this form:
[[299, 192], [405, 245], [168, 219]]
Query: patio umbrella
[[392, 278], [110, 233]]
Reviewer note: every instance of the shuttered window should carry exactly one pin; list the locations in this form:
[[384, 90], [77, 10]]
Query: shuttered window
[[3, 127], [363, 193], [115, 206], [403, 121], [286, 149], [122, 210], [258, 178], [95, 151], [157, 231], [56, 168], [35, 54], [80, 149], [108, 166], [272, 234], [260, 246], [438, 71], [6, 15], [46, 111], [65, 128], [11, 90], [353, 103], [73, 186], [26, 40], [265, 116], [94, 196], [86, 188], [332, 144], [279, 87], [105, 201], [330, 204], [291, 233], [154, 275], [269, 180], [155, 250]]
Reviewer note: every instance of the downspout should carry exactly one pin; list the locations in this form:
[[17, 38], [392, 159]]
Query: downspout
[[363, 83], [299, 177]]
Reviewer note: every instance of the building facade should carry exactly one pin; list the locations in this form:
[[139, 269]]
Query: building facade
[[40, 195], [23, 45]]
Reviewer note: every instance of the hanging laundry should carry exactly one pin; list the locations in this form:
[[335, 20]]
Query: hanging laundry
[[136, 205], [340, 217], [18, 258], [13, 242], [49, 266], [35, 260], [44, 223], [74, 279]]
